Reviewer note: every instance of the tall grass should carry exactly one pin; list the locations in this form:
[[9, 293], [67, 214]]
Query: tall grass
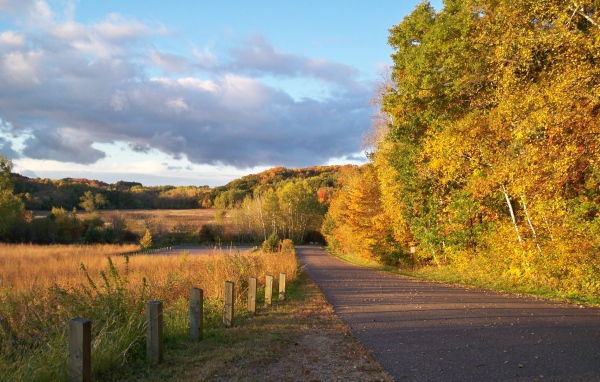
[[62, 282]]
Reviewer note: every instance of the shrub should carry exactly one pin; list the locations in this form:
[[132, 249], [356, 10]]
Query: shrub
[[271, 244], [146, 241], [287, 246]]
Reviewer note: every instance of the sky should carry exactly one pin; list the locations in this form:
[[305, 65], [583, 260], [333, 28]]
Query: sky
[[188, 92]]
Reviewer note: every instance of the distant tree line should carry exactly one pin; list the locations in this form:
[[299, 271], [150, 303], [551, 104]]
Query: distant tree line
[[287, 203], [44, 194]]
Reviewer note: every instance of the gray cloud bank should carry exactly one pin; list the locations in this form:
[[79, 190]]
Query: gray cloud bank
[[65, 86]]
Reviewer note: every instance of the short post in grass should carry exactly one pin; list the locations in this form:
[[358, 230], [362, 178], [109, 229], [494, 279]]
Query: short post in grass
[[228, 311], [79, 364], [196, 315], [154, 331], [252, 295], [281, 286], [269, 290]]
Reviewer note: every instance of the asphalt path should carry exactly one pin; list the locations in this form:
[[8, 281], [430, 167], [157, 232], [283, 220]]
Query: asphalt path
[[205, 250], [422, 331]]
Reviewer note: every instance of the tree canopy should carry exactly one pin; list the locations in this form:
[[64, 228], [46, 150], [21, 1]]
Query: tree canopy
[[490, 155]]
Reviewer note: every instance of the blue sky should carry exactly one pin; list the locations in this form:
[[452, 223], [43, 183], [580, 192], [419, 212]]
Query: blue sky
[[188, 92]]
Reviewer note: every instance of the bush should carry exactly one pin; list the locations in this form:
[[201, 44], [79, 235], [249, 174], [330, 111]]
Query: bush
[[271, 244], [287, 246], [146, 241]]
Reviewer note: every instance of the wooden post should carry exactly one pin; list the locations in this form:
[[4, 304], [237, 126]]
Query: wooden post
[[281, 286], [196, 314], [229, 301], [252, 295], [79, 364], [269, 290], [154, 331]]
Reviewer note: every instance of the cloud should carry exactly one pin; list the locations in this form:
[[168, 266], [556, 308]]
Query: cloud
[[63, 145], [106, 82], [12, 38], [6, 149], [21, 68], [256, 56]]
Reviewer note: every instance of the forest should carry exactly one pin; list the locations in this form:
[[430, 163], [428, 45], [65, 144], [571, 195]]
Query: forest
[[289, 203], [484, 156]]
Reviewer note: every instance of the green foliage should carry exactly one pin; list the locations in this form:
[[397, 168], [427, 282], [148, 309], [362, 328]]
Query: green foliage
[[287, 246], [488, 162], [271, 244], [91, 202], [146, 240], [11, 208], [33, 340], [291, 210]]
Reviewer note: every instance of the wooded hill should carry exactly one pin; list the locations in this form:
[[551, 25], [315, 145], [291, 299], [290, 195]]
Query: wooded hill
[[283, 203], [43, 194]]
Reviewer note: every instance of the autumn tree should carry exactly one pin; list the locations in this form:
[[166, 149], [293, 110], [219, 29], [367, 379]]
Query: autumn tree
[[91, 202], [146, 240], [11, 207], [356, 222], [491, 146]]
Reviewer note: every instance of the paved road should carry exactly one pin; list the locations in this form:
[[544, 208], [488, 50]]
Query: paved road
[[205, 250], [422, 331]]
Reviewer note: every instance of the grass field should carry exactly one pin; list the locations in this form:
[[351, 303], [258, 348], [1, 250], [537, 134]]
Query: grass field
[[138, 220], [43, 287]]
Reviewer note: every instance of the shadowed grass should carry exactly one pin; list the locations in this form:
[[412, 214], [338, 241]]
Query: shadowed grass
[[112, 293]]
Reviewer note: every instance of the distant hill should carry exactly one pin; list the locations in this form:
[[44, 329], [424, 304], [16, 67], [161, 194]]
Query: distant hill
[[43, 194], [318, 177]]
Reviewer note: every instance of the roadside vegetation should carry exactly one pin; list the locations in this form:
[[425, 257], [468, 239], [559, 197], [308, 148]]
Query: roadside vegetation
[[103, 284], [485, 155]]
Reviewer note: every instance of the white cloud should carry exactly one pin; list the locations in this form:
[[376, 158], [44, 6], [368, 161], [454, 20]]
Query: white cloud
[[188, 83], [116, 27], [177, 104], [68, 31], [40, 13], [12, 38], [21, 68], [97, 84], [169, 62]]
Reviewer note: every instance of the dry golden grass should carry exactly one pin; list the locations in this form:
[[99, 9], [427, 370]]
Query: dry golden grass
[[26, 267], [138, 220], [42, 287]]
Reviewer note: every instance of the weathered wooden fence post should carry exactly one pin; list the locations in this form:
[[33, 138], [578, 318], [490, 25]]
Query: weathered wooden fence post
[[79, 364], [154, 331], [282, 286], [252, 295], [229, 301], [196, 313], [269, 290]]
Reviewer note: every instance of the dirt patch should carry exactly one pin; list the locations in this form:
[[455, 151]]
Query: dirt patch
[[308, 342], [326, 355], [298, 340]]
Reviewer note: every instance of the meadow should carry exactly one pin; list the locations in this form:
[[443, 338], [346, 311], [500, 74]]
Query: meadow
[[139, 220], [43, 287]]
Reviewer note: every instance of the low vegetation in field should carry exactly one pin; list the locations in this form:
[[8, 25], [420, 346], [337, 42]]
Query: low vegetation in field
[[98, 283]]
